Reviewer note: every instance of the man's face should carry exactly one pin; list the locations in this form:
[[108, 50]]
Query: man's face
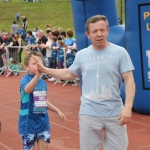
[[98, 33], [7, 35], [40, 35]]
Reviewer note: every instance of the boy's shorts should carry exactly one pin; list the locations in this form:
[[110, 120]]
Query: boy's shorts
[[29, 140]]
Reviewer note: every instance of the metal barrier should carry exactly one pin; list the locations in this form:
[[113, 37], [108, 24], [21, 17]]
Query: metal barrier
[[12, 60], [17, 54]]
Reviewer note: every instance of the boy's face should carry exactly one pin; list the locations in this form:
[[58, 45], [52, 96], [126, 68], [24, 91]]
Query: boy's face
[[32, 66]]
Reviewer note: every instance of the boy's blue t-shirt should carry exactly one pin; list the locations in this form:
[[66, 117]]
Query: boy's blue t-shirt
[[54, 52], [30, 122], [69, 41], [31, 40], [70, 59], [101, 72], [60, 54]]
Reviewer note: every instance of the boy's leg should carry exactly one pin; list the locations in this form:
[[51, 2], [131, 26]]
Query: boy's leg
[[43, 140], [28, 141], [90, 132], [115, 135]]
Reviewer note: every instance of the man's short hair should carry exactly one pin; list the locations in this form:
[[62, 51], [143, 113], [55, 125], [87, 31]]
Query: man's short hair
[[29, 55], [95, 19]]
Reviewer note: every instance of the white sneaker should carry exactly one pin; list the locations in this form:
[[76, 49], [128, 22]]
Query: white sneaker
[[52, 79]]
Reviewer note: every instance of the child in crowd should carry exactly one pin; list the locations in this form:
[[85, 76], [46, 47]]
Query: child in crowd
[[54, 52], [33, 118], [60, 58], [70, 58], [13, 68], [53, 55], [31, 43]]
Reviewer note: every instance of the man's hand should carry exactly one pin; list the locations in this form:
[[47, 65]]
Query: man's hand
[[125, 116], [41, 67]]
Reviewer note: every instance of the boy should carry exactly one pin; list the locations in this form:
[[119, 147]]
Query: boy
[[33, 118]]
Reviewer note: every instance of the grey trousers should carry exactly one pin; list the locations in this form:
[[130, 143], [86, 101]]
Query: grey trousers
[[92, 128]]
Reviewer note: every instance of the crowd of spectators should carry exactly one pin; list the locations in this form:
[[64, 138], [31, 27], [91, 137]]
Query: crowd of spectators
[[57, 46]]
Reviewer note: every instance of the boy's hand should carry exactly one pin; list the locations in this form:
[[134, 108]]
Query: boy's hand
[[61, 115], [38, 73]]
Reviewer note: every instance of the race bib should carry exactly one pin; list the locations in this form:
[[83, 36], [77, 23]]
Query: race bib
[[39, 99]]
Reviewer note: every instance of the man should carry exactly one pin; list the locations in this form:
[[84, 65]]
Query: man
[[41, 42], [14, 28], [102, 66]]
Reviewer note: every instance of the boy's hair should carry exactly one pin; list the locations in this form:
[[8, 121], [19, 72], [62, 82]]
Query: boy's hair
[[30, 33], [61, 43], [14, 62], [95, 19], [63, 33], [69, 33], [28, 57], [54, 38], [48, 31]]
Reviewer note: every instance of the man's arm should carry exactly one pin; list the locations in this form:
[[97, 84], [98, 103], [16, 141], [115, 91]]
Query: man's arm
[[11, 44], [63, 74], [126, 113]]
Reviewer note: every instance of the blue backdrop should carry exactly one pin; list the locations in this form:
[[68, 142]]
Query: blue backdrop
[[134, 36]]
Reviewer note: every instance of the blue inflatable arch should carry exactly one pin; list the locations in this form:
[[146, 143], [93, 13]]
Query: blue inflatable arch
[[134, 36]]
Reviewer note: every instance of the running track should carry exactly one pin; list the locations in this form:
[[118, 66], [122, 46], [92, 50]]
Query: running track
[[64, 135]]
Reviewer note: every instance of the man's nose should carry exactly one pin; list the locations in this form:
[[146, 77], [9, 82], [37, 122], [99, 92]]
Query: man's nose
[[99, 33]]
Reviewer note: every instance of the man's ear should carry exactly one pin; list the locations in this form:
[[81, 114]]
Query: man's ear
[[108, 30], [87, 34]]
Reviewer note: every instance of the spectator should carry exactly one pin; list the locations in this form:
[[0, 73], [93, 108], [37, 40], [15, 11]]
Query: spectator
[[13, 69], [7, 43], [48, 47], [63, 36], [24, 22], [54, 55], [41, 42], [14, 28], [17, 16], [18, 42]]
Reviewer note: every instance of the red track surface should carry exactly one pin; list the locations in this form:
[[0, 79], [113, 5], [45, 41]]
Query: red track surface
[[64, 135]]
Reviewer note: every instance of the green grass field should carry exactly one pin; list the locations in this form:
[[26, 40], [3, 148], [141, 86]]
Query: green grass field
[[53, 12]]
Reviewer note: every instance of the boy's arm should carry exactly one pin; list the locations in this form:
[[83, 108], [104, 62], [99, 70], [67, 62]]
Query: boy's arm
[[55, 109], [30, 86]]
